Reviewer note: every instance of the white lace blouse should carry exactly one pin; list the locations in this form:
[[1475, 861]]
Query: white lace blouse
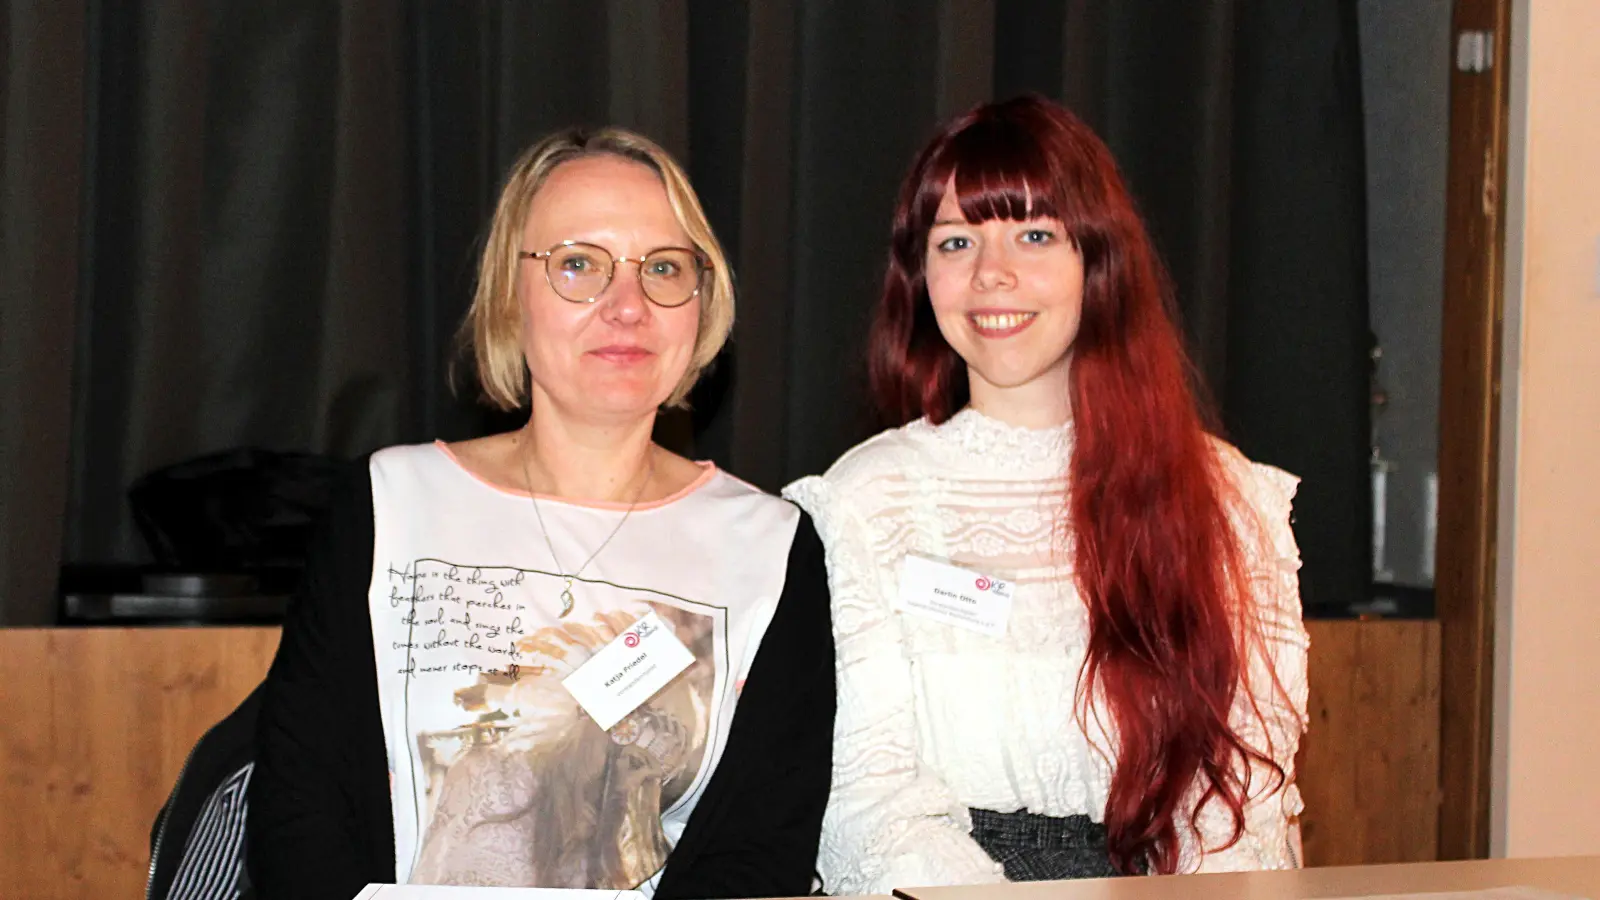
[[933, 720]]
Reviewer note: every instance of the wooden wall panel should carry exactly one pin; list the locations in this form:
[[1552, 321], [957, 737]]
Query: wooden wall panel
[[94, 726], [1369, 767], [95, 723]]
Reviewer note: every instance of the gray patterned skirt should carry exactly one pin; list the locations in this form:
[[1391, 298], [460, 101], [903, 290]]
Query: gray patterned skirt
[[1032, 847]]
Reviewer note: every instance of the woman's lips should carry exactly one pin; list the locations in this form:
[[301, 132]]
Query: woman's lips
[[622, 354]]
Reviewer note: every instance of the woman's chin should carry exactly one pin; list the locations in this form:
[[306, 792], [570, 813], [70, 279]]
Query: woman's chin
[[1009, 378], [621, 403]]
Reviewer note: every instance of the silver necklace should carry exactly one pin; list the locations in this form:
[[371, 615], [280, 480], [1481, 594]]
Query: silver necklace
[[566, 591]]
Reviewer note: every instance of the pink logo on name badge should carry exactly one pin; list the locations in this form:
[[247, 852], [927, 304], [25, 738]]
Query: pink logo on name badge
[[640, 631], [983, 583]]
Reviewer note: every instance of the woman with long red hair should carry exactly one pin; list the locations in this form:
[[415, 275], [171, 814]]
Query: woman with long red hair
[[1067, 616]]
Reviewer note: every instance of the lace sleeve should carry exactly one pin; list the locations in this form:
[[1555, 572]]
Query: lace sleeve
[[889, 823], [1276, 680]]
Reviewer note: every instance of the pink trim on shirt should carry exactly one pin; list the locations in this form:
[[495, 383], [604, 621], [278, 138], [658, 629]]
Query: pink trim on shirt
[[708, 471]]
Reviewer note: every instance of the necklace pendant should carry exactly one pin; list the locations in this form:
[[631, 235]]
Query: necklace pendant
[[567, 601]]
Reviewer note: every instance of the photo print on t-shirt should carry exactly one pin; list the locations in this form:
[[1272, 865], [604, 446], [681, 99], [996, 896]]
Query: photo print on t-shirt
[[514, 784]]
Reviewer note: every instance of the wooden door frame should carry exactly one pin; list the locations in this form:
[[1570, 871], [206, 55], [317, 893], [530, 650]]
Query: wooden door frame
[[1469, 428]]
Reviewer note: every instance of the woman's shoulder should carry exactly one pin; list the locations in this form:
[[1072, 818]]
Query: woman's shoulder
[[885, 456], [428, 456], [1265, 488], [1263, 502], [860, 487], [743, 503], [411, 472]]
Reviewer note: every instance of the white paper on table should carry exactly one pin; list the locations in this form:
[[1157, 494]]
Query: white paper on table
[[451, 892]]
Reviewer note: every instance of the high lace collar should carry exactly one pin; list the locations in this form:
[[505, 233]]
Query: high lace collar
[[974, 440]]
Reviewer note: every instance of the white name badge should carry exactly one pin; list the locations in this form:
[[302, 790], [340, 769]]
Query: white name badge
[[628, 671], [954, 596]]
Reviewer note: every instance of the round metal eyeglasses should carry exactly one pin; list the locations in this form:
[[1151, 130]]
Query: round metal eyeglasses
[[579, 272]]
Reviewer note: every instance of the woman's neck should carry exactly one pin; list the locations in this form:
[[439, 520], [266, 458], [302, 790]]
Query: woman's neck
[[1044, 402], [612, 463]]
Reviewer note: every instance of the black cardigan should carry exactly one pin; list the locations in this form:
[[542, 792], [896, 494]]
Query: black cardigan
[[320, 824]]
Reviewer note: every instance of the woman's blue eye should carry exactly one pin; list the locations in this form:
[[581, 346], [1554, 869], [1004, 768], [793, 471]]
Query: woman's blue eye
[[952, 244], [1038, 236]]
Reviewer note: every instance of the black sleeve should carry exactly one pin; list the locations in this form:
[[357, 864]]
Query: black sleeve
[[318, 821], [755, 832]]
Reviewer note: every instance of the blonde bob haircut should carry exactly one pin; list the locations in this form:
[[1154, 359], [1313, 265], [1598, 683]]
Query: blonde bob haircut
[[493, 327]]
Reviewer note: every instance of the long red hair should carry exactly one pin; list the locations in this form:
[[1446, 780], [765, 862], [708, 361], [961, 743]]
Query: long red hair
[[1158, 564]]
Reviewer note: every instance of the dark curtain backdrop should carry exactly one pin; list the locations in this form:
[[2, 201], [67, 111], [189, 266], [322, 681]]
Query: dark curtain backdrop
[[253, 224], [42, 57]]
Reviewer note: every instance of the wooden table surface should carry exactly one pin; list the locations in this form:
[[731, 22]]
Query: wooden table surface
[[1577, 876]]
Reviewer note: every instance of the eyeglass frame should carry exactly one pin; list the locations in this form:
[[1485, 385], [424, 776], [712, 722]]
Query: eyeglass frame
[[703, 266]]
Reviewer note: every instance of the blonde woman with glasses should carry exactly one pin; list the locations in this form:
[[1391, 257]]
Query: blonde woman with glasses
[[562, 656]]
